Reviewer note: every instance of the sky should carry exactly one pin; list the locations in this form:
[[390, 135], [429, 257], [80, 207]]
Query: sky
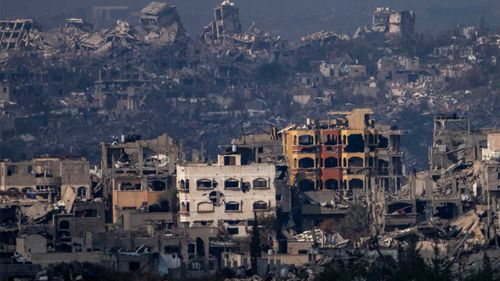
[[289, 18]]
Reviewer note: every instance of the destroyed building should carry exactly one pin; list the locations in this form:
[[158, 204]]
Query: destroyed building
[[341, 153], [400, 23], [228, 193], [140, 174], [258, 148], [15, 34], [454, 143], [344, 158], [226, 23], [46, 177], [162, 23]]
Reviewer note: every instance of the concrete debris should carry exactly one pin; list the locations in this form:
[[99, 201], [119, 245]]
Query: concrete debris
[[37, 211]]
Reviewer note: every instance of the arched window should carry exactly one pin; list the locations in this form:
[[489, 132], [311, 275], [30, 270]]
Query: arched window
[[306, 140], [13, 191], [27, 190], [205, 207], [232, 206], [332, 184], [306, 163], [204, 184], [355, 183], [260, 206], [356, 162], [331, 162], [231, 183], [260, 183]]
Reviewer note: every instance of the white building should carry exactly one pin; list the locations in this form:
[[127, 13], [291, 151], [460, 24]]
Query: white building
[[226, 194], [492, 152]]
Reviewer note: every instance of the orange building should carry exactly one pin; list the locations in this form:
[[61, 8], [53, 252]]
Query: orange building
[[334, 154]]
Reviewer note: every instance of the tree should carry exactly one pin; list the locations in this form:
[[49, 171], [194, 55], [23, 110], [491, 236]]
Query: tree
[[255, 243], [355, 225]]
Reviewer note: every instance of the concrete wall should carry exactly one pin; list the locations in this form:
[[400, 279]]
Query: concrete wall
[[201, 206]]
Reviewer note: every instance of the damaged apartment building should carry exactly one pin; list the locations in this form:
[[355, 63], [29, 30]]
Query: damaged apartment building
[[399, 23], [455, 150], [15, 34], [162, 23], [46, 177], [226, 23], [339, 161], [139, 175], [229, 194], [52, 197]]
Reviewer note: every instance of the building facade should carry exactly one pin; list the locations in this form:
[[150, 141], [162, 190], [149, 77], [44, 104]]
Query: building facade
[[46, 177], [140, 173], [227, 195], [342, 153]]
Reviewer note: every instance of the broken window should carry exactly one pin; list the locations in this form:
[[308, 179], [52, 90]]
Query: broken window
[[82, 192], [185, 207], [330, 140], [356, 162], [447, 211], [231, 183], [306, 163], [383, 142], [260, 205], [13, 191], [306, 140], [204, 184], [127, 186], [64, 224], [355, 143], [154, 208], [383, 167], [229, 160], [182, 185], [260, 183], [157, 185], [11, 169], [232, 206], [200, 247], [331, 162], [332, 184], [28, 190], [356, 183], [191, 248], [233, 230]]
